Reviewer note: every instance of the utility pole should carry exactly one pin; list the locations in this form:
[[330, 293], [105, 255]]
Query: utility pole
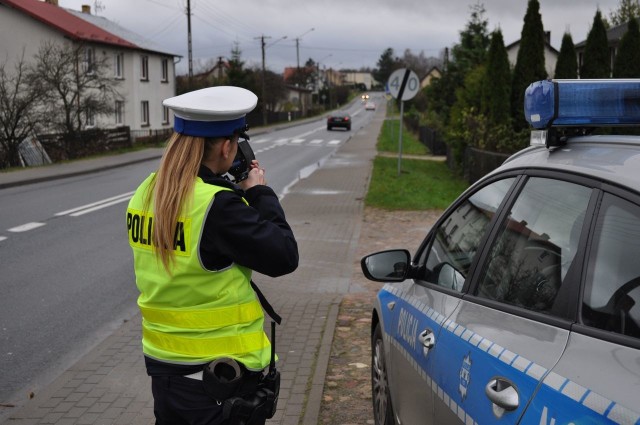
[[189, 41], [264, 88], [220, 64], [298, 46]]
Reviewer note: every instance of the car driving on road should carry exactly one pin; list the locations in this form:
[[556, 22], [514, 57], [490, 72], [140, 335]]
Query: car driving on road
[[522, 303], [340, 119]]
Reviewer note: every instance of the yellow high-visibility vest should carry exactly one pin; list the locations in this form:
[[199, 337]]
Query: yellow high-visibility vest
[[194, 315]]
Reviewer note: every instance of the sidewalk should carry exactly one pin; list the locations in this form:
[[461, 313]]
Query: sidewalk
[[109, 385]]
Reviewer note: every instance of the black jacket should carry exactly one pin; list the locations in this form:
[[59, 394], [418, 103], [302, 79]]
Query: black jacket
[[256, 236]]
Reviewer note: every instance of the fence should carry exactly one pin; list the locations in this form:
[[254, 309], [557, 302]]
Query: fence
[[432, 140], [478, 163], [32, 153], [150, 137], [61, 147]]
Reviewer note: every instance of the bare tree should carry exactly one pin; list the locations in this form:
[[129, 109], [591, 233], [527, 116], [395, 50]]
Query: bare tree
[[420, 64], [626, 10], [77, 86], [20, 94]]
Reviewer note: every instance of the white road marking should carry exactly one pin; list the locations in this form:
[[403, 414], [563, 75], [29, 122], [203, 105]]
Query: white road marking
[[256, 141], [297, 141], [2, 238], [316, 141], [99, 207], [26, 227], [312, 131], [334, 142], [99, 204]]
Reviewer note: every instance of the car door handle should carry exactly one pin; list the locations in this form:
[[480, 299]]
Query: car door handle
[[502, 394], [427, 338]]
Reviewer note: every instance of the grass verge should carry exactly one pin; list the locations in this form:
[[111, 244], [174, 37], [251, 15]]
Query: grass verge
[[390, 134], [422, 185]]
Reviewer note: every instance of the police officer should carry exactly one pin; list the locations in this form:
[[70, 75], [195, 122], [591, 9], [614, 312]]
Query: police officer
[[196, 238]]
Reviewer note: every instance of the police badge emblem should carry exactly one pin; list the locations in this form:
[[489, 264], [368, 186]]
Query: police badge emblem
[[465, 376]]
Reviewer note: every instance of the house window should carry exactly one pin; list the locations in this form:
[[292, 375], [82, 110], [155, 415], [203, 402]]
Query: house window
[[144, 68], [119, 65], [165, 115], [145, 113], [165, 70], [89, 60], [119, 112], [91, 118]]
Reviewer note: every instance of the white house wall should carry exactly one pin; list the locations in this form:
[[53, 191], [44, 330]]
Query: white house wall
[[550, 59], [359, 78], [19, 31], [135, 90]]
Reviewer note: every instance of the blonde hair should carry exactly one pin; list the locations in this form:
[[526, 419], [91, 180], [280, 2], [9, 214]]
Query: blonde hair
[[171, 188]]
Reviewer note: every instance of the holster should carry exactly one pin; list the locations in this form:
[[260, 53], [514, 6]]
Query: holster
[[254, 409], [225, 378]]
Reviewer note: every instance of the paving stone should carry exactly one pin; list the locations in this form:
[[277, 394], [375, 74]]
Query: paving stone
[[109, 385]]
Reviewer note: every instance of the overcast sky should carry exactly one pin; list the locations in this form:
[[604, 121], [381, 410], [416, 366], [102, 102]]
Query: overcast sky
[[346, 33]]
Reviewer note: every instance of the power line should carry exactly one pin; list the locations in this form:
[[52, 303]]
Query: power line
[[215, 27], [224, 18], [162, 4], [166, 25]]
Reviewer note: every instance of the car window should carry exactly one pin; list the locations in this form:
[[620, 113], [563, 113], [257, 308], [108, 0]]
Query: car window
[[457, 239], [612, 292], [535, 245]]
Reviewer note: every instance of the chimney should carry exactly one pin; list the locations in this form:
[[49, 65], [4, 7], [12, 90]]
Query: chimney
[[85, 8], [547, 36], [53, 2]]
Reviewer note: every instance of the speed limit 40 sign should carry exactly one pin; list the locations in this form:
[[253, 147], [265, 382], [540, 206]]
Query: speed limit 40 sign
[[403, 84]]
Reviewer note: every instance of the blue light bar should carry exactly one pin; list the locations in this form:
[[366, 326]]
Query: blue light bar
[[582, 103]]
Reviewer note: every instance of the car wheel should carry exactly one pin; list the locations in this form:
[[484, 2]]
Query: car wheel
[[382, 409], [328, 128], [349, 128]]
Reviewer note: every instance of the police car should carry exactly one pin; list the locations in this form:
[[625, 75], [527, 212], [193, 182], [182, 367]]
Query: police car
[[522, 304]]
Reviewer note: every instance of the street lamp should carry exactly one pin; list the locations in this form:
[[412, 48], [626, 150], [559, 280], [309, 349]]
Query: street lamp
[[298, 45], [280, 39]]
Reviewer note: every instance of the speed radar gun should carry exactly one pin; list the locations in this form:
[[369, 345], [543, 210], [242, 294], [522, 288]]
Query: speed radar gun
[[247, 398], [242, 162]]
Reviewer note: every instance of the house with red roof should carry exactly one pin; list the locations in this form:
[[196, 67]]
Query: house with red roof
[[144, 71]]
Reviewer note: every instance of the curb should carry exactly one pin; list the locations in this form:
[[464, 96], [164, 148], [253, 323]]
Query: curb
[[314, 399]]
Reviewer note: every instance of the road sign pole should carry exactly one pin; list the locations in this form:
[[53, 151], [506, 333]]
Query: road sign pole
[[403, 85], [400, 137]]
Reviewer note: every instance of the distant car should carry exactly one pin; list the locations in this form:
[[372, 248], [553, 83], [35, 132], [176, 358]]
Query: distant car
[[339, 119], [522, 303], [370, 106], [365, 97]]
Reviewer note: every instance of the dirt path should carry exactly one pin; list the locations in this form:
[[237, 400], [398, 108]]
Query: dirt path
[[347, 391]]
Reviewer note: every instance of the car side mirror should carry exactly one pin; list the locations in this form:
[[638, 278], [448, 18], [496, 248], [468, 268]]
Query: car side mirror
[[387, 266]]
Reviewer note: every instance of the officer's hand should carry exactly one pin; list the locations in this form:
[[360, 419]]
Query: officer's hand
[[256, 176]]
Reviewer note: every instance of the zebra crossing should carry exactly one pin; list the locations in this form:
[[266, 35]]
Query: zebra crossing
[[262, 144]]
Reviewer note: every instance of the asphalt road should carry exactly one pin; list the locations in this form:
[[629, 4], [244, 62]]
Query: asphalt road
[[66, 273]]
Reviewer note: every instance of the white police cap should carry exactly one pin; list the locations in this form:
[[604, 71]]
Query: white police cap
[[211, 112]]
